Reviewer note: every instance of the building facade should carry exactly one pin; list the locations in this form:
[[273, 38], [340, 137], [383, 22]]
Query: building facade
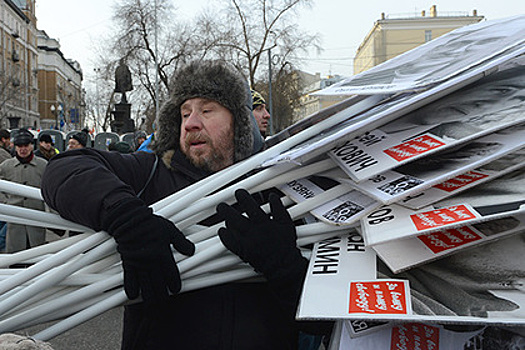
[[309, 103], [61, 97], [18, 65], [393, 35]]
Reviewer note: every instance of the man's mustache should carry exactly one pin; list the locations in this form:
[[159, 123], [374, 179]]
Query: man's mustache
[[196, 137]]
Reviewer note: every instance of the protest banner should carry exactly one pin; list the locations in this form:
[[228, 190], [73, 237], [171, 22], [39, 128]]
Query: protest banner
[[403, 254], [488, 105], [454, 186], [406, 336], [410, 179], [482, 285], [347, 208]]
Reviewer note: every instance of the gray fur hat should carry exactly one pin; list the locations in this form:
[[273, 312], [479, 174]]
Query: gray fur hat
[[214, 80]]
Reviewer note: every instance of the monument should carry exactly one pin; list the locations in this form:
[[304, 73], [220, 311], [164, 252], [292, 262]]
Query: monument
[[122, 122]]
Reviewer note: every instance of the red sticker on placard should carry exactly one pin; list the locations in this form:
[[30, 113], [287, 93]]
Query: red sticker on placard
[[378, 297], [449, 239], [414, 147], [411, 336], [461, 181], [441, 217]]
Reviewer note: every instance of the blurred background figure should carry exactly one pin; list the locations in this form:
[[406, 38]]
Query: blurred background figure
[[78, 140], [5, 153], [140, 137], [5, 145], [26, 169], [46, 147], [260, 113]]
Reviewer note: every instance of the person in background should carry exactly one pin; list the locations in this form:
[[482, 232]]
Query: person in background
[[260, 113], [26, 169], [204, 127], [46, 147], [145, 146], [5, 153], [140, 137], [78, 140], [5, 145]]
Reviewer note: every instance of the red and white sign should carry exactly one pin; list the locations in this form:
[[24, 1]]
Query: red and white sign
[[461, 181], [379, 297], [414, 147], [408, 336], [441, 217], [415, 336], [444, 240]]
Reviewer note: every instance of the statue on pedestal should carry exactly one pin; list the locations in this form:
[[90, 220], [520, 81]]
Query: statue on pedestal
[[123, 81], [122, 122]]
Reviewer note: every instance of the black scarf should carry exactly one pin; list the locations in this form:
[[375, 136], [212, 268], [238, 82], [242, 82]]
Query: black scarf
[[25, 160]]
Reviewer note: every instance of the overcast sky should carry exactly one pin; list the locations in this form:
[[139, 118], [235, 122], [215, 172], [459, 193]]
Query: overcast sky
[[342, 24]]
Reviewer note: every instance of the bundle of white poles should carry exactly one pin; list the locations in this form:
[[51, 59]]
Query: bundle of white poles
[[77, 278]]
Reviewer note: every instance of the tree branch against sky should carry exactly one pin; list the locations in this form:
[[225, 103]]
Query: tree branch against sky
[[133, 39], [249, 28], [239, 32]]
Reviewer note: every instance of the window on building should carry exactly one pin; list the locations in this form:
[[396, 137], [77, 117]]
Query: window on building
[[428, 35]]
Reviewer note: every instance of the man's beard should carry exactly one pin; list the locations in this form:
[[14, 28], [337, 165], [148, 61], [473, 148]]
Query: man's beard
[[217, 155]]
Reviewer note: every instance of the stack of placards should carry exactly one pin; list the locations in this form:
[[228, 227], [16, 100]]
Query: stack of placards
[[438, 169]]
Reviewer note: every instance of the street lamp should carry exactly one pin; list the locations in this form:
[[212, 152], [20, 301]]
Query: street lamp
[[56, 111]]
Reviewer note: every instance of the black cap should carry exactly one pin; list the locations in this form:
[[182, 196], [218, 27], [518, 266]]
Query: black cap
[[4, 134], [46, 138], [81, 137], [22, 137]]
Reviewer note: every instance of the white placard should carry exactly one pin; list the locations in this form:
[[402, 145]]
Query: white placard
[[412, 178], [403, 254]]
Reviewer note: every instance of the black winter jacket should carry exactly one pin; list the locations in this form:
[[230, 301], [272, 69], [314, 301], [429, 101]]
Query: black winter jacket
[[83, 185]]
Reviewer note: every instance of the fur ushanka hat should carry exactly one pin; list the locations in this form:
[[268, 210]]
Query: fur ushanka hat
[[214, 80]]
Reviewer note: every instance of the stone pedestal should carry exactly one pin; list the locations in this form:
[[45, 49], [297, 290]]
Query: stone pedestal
[[122, 122]]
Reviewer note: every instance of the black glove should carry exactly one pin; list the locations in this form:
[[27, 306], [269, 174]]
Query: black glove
[[267, 243], [144, 242]]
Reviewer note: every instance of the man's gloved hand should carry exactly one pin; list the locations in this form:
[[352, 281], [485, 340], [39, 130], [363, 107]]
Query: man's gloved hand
[[266, 242], [144, 242]]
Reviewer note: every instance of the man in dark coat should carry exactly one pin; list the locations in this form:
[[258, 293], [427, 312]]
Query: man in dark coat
[[204, 127], [46, 147]]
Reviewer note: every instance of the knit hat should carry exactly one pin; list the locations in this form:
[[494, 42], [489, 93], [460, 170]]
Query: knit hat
[[22, 137], [214, 80], [4, 134], [257, 99], [140, 134], [81, 137], [45, 138]]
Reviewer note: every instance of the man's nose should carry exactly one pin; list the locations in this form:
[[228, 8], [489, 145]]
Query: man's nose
[[193, 121]]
